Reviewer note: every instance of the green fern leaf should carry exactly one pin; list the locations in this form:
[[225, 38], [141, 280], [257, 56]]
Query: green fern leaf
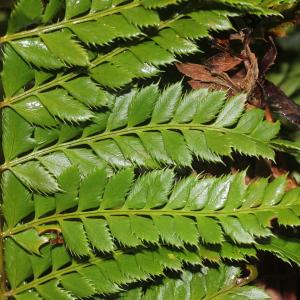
[[113, 197], [17, 202], [102, 4], [66, 49], [95, 98], [32, 110], [130, 136], [189, 29], [226, 118], [140, 16], [52, 10], [24, 13], [14, 65], [166, 207], [285, 248], [101, 33], [151, 53], [36, 52], [75, 111], [172, 42], [36, 177], [17, 135], [16, 273], [216, 20], [68, 181], [75, 8], [30, 240], [140, 110], [89, 192], [42, 262], [80, 245], [157, 3]]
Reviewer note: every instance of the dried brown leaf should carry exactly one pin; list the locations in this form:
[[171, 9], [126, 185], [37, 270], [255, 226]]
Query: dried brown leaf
[[195, 71], [222, 62]]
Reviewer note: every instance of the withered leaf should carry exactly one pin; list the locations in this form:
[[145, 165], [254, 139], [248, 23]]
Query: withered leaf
[[223, 62], [202, 77], [195, 71], [213, 72], [197, 84], [247, 75], [251, 68]]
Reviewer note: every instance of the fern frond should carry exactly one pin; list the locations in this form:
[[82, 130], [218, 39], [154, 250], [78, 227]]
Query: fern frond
[[152, 209], [24, 14], [174, 37], [54, 272], [149, 128], [127, 62], [121, 22], [92, 201], [98, 275]]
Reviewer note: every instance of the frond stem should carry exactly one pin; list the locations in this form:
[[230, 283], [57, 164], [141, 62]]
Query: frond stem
[[108, 135], [2, 269], [140, 212], [239, 283], [2, 104]]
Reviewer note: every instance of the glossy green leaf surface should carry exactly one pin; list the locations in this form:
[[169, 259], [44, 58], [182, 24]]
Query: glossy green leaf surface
[[169, 129]]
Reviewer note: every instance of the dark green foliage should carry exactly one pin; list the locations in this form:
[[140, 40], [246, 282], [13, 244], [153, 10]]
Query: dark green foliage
[[101, 195]]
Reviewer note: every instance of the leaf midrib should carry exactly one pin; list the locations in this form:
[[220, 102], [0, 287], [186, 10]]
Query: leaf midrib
[[111, 134], [147, 212]]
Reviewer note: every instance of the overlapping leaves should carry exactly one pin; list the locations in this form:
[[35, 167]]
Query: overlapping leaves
[[144, 128], [120, 66], [54, 273], [151, 209], [71, 145], [57, 45], [70, 279]]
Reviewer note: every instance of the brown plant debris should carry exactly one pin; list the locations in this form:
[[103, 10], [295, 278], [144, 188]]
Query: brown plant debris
[[243, 72]]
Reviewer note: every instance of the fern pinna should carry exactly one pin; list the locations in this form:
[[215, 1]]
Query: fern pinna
[[100, 194]]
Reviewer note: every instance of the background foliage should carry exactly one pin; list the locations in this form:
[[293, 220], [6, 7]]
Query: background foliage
[[118, 181]]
